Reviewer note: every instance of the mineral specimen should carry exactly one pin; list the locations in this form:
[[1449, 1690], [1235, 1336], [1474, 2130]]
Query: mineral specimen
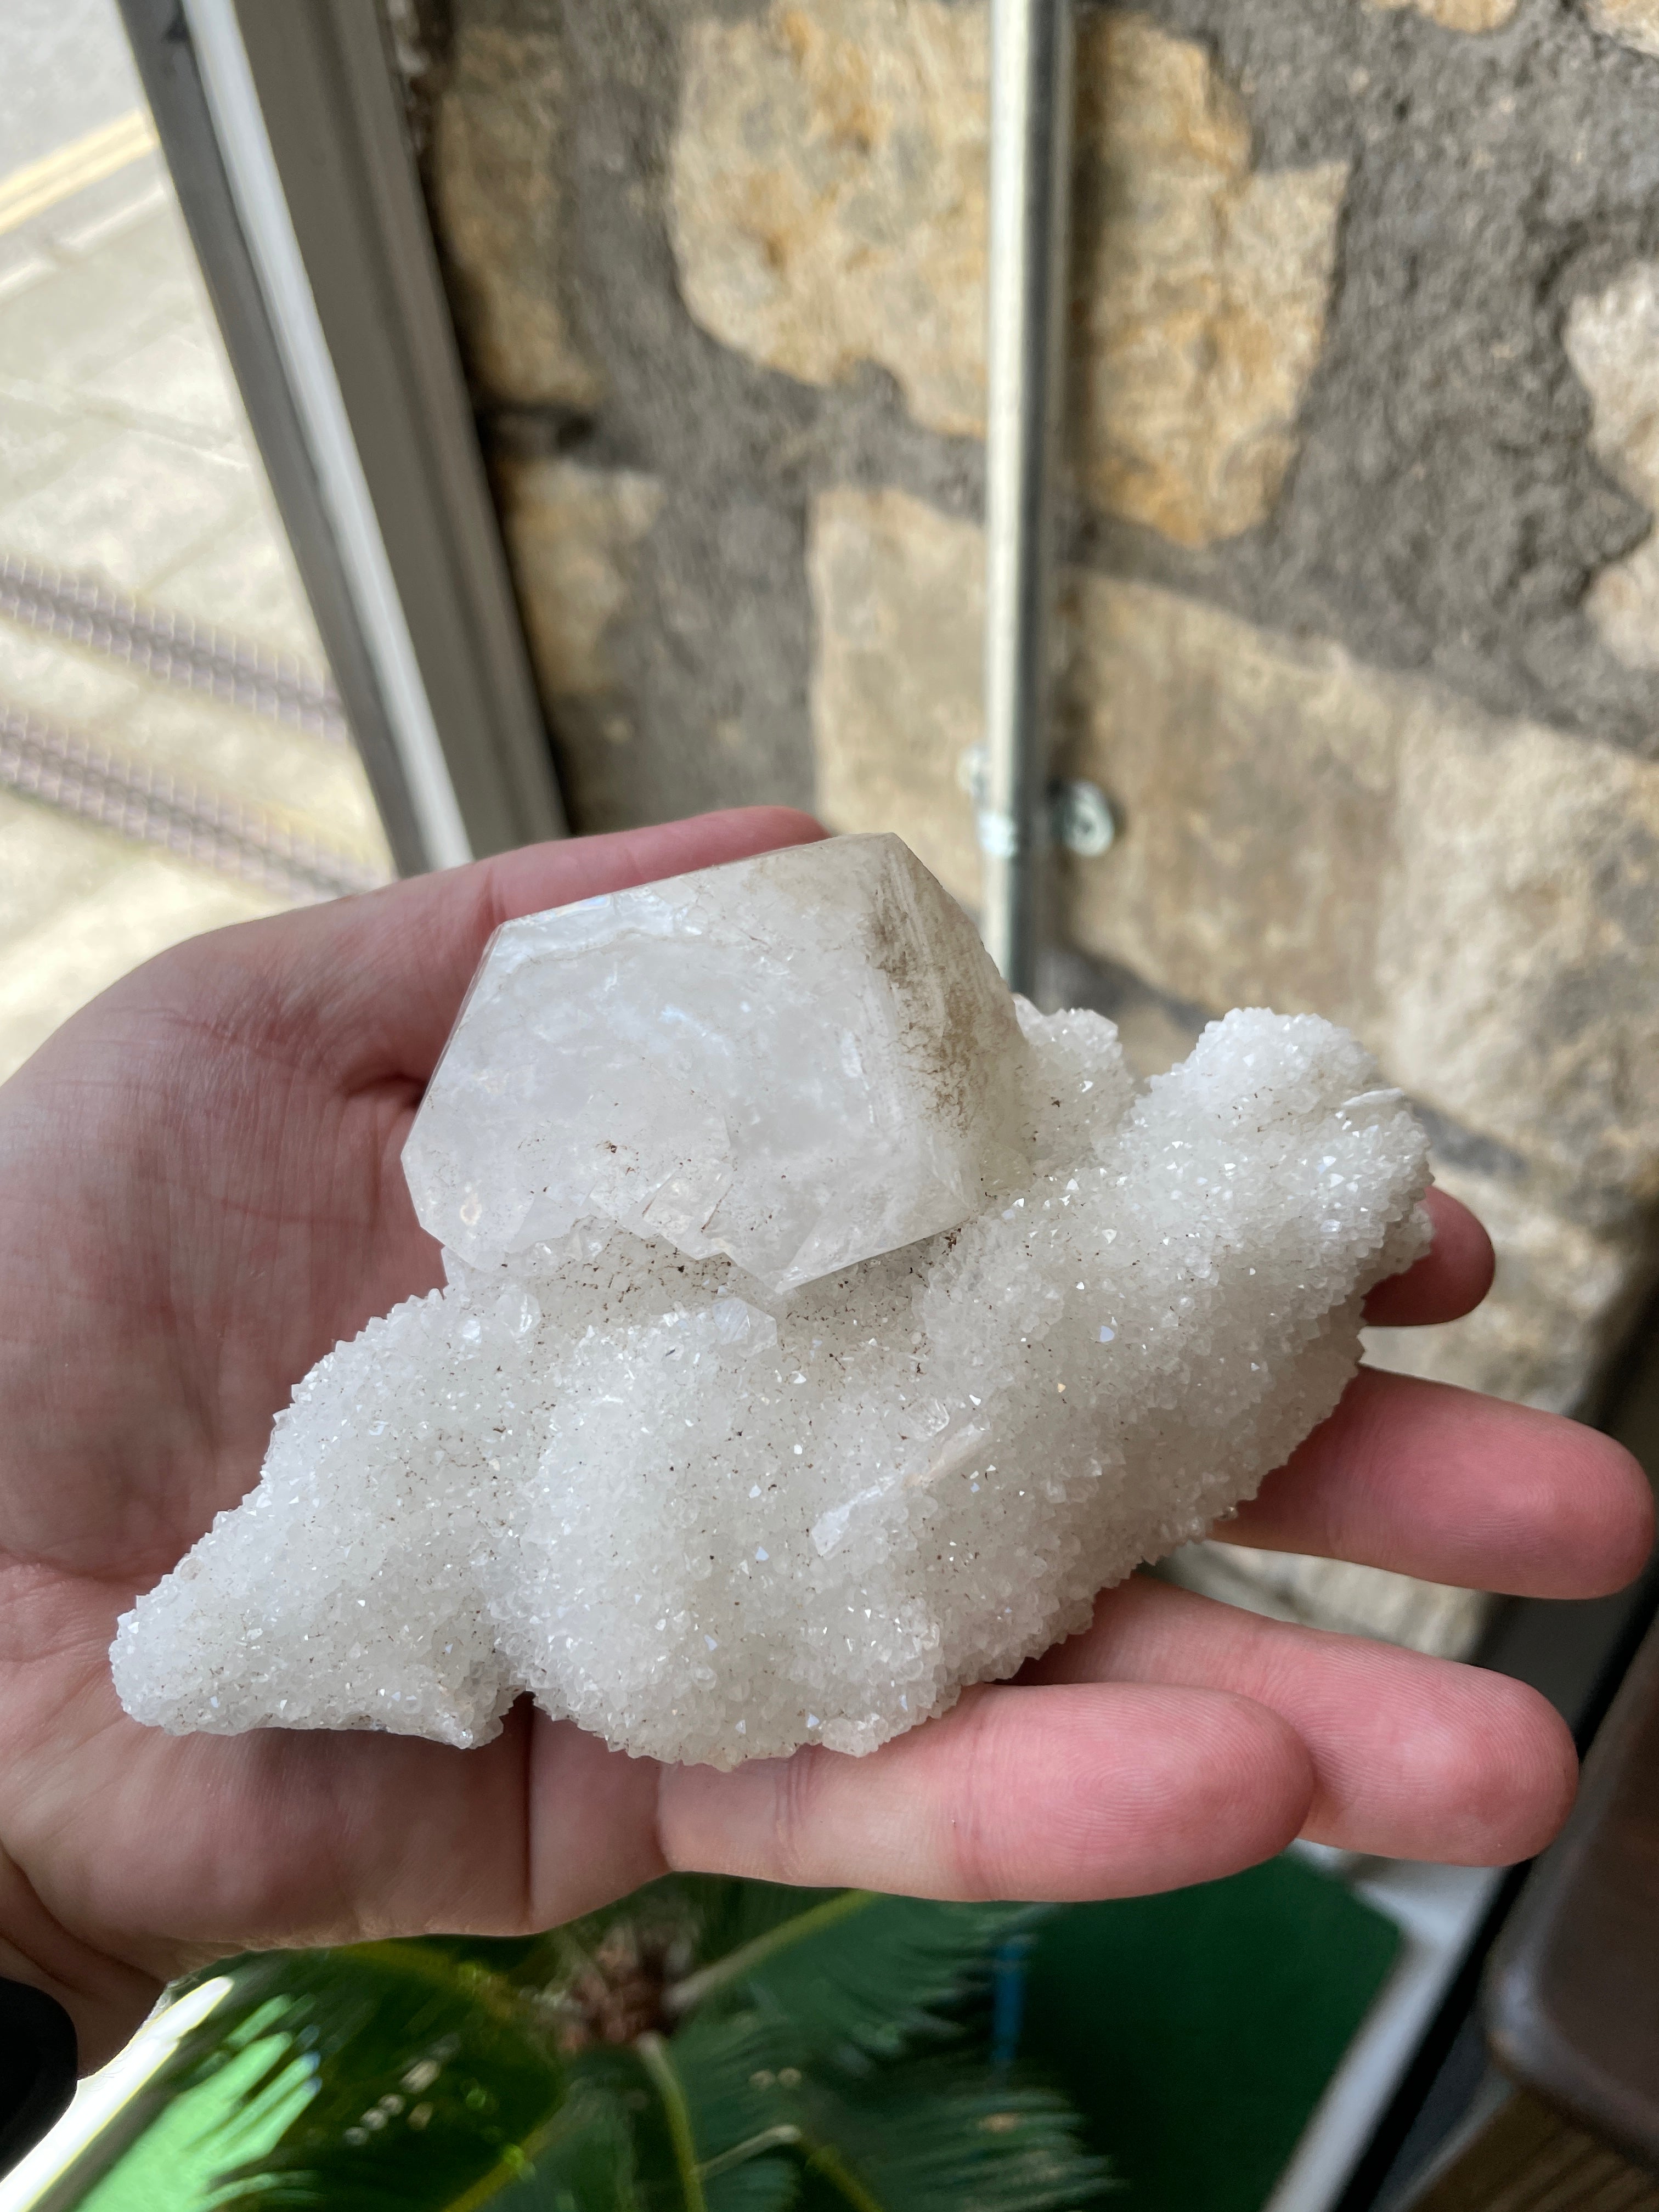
[[794, 1061], [1002, 1329]]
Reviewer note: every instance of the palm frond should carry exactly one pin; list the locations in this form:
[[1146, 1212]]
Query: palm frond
[[876, 1977], [582, 2161], [768, 2182], [703, 2046], [729, 1915], [240, 2110], [740, 2072], [419, 2070], [934, 2134]]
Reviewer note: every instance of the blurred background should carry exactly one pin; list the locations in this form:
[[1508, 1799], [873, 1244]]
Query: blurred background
[[430, 424], [150, 786]]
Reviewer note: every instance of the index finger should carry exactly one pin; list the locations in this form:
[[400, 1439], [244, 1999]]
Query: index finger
[[1450, 1281]]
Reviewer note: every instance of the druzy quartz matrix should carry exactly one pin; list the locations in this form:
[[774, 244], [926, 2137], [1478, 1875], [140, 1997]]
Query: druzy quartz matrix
[[823, 1329]]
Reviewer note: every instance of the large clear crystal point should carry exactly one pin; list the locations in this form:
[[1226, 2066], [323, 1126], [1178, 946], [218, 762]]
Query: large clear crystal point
[[798, 1061]]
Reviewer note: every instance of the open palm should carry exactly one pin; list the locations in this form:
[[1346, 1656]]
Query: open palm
[[200, 1193]]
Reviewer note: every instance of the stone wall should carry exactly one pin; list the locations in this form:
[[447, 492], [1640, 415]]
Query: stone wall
[[1361, 591]]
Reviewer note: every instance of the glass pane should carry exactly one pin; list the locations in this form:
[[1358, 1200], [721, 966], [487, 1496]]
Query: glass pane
[[173, 756]]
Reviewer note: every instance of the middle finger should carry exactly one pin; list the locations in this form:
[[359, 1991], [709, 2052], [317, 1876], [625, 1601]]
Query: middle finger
[[1412, 1757], [1441, 1483]]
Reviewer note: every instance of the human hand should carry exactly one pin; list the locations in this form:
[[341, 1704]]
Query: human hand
[[200, 1191]]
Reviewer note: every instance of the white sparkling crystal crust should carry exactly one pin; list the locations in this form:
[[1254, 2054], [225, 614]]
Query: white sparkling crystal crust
[[605, 1472]]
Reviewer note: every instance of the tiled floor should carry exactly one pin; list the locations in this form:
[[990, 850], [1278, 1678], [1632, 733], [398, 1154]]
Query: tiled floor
[[124, 455]]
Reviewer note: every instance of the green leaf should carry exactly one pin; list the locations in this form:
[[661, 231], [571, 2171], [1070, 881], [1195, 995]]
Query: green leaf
[[742, 2074], [420, 2073], [236, 2114], [870, 1972], [761, 2184], [706, 2045], [933, 2135], [582, 2160], [726, 1915]]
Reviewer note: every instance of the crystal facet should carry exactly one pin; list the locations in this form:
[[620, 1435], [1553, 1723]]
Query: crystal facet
[[710, 1520], [799, 1061]]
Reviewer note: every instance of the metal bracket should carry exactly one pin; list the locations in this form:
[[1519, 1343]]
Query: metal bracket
[[1080, 819]]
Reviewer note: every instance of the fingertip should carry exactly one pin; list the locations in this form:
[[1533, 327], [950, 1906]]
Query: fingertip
[[1514, 1779], [1487, 1764], [1450, 1279], [1431, 1479], [1607, 1511], [563, 869], [1546, 1760], [1258, 1785]]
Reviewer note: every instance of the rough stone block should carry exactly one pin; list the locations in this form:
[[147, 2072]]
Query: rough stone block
[[1613, 341], [1459, 14], [1473, 897], [1634, 23], [829, 207], [571, 534], [1201, 288], [899, 593], [828, 193], [500, 128]]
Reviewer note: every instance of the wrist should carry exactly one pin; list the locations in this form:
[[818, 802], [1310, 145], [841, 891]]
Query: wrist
[[106, 1998]]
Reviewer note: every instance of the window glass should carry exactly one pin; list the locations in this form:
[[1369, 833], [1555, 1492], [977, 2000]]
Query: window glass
[[173, 756]]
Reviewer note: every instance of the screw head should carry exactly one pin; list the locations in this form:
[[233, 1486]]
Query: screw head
[[1082, 817]]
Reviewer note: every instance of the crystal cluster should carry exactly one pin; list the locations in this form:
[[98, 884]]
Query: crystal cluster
[[823, 1329]]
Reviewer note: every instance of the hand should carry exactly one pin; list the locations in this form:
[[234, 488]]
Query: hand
[[200, 1192]]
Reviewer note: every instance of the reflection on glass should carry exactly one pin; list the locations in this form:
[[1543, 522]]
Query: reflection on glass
[[172, 753]]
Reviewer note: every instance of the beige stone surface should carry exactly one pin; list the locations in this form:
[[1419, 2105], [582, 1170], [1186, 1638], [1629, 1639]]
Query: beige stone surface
[[1459, 14], [1201, 288], [898, 592], [1635, 21], [1612, 342], [1518, 939], [1433, 1617], [502, 200], [1475, 897], [828, 193], [828, 208], [1254, 780], [572, 533], [1560, 1306]]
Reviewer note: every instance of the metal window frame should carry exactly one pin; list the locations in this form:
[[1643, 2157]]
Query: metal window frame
[[1032, 50], [285, 132]]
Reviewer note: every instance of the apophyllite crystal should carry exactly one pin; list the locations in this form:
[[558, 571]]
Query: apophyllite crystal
[[824, 1329], [795, 1062]]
